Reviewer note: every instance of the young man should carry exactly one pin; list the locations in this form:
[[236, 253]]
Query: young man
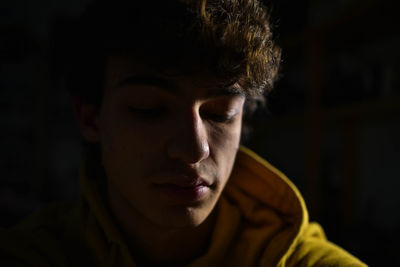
[[160, 92]]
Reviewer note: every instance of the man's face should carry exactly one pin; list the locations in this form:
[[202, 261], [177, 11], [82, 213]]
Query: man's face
[[168, 141]]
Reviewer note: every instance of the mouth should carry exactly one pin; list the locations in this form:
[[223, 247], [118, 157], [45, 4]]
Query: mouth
[[185, 190], [188, 182]]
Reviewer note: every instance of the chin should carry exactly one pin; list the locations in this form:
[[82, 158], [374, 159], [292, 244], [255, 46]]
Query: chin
[[184, 217]]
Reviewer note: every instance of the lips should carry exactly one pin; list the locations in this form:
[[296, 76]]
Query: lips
[[182, 183], [187, 182], [183, 186], [183, 193], [181, 176]]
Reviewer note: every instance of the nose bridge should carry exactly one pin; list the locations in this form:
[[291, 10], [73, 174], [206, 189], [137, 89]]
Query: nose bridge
[[190, 141]]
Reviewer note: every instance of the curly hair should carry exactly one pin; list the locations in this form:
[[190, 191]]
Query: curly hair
[[229, 38], [242, 29]]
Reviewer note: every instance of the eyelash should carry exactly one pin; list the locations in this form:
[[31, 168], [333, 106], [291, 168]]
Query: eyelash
[[220, 118]]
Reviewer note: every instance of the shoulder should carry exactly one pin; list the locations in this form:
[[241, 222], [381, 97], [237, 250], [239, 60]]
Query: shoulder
[[313, 249], [49, 237]]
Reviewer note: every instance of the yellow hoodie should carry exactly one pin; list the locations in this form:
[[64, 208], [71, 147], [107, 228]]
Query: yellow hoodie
[[262, 221]]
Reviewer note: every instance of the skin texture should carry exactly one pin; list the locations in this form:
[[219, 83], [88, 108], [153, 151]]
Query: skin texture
[[160, 134]]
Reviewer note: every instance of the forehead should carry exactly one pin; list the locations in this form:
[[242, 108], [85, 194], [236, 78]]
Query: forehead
[[126, 72]]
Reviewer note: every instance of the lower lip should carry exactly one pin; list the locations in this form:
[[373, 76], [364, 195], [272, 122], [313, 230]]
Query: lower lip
[[195, 193]]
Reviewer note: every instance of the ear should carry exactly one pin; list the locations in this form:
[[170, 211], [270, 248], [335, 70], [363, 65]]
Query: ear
[[88, 119]]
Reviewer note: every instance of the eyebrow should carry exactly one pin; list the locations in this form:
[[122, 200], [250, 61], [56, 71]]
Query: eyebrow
[[148, 80], [169, 86]]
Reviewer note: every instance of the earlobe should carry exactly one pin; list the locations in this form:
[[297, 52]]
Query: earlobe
[[88, 119]]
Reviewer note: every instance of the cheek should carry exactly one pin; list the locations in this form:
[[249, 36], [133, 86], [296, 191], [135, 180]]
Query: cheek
[[128, 148], [226, 137], [131, 145], [224, 143]]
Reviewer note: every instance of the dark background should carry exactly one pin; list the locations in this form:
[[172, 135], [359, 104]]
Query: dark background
[[333, 126]]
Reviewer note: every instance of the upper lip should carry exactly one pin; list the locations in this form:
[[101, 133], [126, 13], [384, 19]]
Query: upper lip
[[186, 179], [189, 183]]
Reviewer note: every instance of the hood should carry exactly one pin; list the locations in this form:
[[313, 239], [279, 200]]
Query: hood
[[260, 215]]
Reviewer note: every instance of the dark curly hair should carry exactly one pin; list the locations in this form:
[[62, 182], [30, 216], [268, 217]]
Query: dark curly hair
[[229, 38]]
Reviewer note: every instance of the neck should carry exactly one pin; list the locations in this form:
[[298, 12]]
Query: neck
[[152, 244]]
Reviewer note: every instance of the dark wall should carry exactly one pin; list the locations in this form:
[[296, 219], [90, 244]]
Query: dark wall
[[335, 119], [333, 122]]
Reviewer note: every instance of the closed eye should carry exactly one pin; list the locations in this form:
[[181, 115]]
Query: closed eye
[[224, 118]]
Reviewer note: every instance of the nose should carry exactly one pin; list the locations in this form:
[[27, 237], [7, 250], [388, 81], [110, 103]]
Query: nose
[[190, 141]]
